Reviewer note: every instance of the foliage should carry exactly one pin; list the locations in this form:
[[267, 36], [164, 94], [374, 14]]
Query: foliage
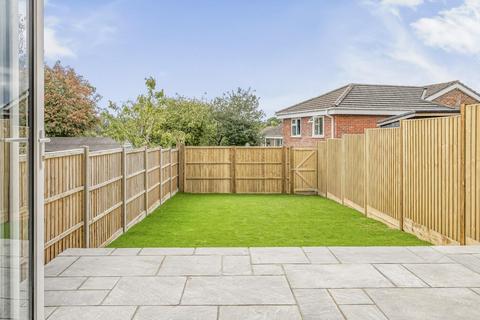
[[190, 121], [272, 122], [193, 220], [139, 122], [70, 103], [239, 118]]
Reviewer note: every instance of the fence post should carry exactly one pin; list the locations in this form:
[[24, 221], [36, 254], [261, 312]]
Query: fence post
[[86, 196], [146, 179], [284, 169], [463, 168], [124, 189], [233, 183], [161, 176], [171, 172], [181, 167], [401, 182], [342, 172], [365, 178], [292, 170]]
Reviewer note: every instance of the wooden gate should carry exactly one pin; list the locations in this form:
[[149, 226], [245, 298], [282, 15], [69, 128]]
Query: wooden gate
[[304, 170]]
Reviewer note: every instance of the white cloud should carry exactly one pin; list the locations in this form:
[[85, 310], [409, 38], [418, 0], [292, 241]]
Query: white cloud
[[55, 48], [391, 55], [402, 3], [454, 30]]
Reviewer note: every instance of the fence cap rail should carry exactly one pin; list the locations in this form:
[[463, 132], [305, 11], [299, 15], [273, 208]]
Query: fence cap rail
[[63, 153], [105, 152]]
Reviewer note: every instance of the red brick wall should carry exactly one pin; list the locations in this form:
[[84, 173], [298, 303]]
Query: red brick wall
[[455, 98], [343, 124], [354, 124]]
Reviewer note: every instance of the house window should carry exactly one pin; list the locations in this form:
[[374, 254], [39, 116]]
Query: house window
[[317, 128], [296, 128]]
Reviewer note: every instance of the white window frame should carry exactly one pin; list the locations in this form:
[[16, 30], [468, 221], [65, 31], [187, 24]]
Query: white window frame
[[298, 127], [323, 127]]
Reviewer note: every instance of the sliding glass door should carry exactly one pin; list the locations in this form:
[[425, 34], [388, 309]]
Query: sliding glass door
[[17, 165]]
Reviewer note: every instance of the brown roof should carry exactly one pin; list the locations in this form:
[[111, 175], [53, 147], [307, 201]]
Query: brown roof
[[273, 131], [368, 96]]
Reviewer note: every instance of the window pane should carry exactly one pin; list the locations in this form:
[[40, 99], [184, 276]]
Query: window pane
[[14, 211]]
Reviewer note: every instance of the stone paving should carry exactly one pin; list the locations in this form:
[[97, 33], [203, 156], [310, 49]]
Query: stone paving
[[265, 283]]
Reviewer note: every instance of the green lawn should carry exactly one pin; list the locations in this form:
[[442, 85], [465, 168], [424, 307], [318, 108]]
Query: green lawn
[[192, 220]]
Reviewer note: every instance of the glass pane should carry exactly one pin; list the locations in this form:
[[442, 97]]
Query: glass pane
[[14, 211]]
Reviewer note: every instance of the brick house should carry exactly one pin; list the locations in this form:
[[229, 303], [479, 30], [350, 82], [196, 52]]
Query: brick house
[[355, 107]]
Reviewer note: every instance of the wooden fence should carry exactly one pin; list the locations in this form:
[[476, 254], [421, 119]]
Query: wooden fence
[[93, 197], [422, 177]]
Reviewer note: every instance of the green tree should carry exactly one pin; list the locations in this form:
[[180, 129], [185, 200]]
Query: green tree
[[138, 122], [272, 122], [70, 103], [239, 118], [190, 121]]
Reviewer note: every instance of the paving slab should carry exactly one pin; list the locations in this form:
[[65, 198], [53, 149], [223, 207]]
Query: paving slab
[[176, 313], [259, 312], [63, 283], [278, 255], [236, 265], [400, 276], [375, 255], [317, 304], [471, 261], [93, 313], [430, 255], [306, 283], [350, 296], [74, 298], [99, 283], [458, 249], [143, 291], [335, 276], [47, 312], [191, 265], [445, 275], [86, 252], [320, 255], [58, 265], [125, 252], [267, 269], [167, 251], [237, 290], [359, 312], [222, 251], [427, 303], [114, 266]]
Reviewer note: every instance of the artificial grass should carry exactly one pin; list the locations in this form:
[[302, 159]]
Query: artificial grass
[[217, 220]]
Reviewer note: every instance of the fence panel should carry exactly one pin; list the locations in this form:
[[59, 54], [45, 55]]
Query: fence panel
[[64, 202], [259, 170], [354, 171], [433, 179], [472, 174], [105, 191], [154, 169], [208, 169], [135, 199], [383, 175], [322, 168], [335, 169]]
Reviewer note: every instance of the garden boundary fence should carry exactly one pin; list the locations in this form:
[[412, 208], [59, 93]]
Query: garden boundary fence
[[91, 198], [422, 177]]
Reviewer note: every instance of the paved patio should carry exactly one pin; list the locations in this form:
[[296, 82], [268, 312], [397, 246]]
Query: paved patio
[[265, 283]]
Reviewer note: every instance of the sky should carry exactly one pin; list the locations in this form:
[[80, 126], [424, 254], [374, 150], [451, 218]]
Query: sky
[[285, 50]]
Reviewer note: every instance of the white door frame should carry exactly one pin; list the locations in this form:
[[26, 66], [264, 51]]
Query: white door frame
[[37, 43]]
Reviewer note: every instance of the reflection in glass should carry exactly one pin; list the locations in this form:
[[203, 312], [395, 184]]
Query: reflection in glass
[[14, 212]]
